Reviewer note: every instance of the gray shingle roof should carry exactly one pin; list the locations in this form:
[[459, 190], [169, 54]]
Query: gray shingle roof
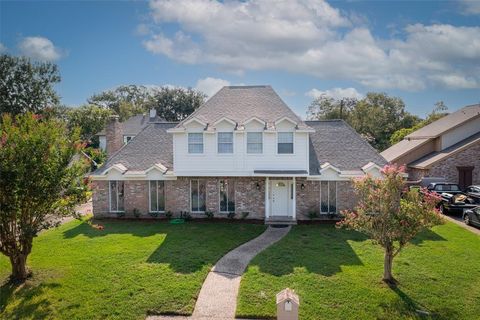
[[241, 103], [335, 142], [151, 146], [134, 124]]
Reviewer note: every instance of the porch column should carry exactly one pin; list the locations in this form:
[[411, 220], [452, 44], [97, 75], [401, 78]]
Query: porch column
[[294, 202], [267, 203]]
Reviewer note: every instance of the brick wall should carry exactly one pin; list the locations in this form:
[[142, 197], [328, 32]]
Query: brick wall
[[447, 168], [247, 197], [309, 198], [113, 135]]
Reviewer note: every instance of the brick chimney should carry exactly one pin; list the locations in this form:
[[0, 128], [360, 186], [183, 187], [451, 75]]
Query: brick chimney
[[114, 135]]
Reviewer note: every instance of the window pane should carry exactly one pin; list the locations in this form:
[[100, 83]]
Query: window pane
[[332, 188], [223, 196], [231, 196], [285, 137], [194, 194], [225, 148], [195, 148], [225, 137], [153, 196], [120, 192], [202, 194], [285, 148], [254, 142], [324, 196], [161, 195], [195, 138], [113, 195]]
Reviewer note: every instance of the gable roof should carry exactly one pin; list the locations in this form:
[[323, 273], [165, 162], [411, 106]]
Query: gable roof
[[241, 103], [133, 125], [152, 146], [401, 148], [434, 157], [447, 123], [335, 142]]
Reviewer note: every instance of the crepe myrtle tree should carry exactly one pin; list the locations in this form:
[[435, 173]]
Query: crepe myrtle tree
[[390, 214], [40, 178]]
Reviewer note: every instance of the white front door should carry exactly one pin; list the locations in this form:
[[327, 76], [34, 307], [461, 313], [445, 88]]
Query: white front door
[[280, 204]]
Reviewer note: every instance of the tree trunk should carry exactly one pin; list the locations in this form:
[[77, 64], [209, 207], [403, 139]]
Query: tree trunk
[[19, 267], [387, 267]]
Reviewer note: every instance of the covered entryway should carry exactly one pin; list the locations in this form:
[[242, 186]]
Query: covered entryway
[[281, 200]]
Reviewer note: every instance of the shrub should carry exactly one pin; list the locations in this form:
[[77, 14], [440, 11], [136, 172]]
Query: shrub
[[231, 215], [136, 213], [209, 214], [120, 214], [153, 214], [169, 214], [312, 214], [245, 214], [185, 215]]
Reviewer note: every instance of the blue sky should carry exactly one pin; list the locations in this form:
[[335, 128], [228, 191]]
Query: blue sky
[[422, 51]]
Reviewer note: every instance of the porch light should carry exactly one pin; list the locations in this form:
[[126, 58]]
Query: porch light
[[258, 186], [302, 186]]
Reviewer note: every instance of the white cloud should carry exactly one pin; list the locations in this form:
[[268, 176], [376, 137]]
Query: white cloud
[[470, 7], [39, 48], [2, 48], [311, 37], [335, 93], [142, 29], [210, 86]]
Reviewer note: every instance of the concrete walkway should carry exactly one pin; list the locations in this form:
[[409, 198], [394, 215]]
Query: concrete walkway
[[218, 296]]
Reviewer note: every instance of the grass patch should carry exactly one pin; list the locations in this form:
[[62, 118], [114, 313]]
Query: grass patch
[[122, 272], [337, 274]]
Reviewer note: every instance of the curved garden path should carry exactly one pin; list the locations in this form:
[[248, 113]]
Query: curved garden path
[[218, 296]]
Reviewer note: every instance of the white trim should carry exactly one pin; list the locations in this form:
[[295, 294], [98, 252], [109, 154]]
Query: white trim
[[110, 196], [192, 120], [234, 196], [267, 197], [293, 142], [294, 200], [225, 119], [327, 166], [198, 189], [285, 119], [150, 194], [246, 143], [118, 167], [262, 122], [233, 144], [158, 166]]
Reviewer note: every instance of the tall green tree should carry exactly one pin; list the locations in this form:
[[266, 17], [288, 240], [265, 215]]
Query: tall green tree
[[89, 118], [175, 104], [439, 111], [27, 86], [39, 180], [376, 117], [389, 215], [172, 104]]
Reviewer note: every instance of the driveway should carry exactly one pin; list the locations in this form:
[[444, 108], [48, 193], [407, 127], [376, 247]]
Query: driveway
[[459, 221]]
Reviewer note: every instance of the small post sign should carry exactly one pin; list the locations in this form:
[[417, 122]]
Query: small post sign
[[287, 305]]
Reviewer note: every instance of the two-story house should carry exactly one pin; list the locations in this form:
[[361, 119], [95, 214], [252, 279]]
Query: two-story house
[[243, 151], [447, 148]]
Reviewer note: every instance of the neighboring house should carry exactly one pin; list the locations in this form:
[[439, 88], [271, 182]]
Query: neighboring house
[[129, 128], [242, 151], [448, 147]]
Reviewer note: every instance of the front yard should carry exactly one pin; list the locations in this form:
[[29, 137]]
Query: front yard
[[122, 272], [337, 275]]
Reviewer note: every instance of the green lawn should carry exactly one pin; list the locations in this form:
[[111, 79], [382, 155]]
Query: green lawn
[[122, 272], [337, 275]]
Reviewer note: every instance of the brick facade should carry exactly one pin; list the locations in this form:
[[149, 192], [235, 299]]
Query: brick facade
[[447, 168], [249, 196]]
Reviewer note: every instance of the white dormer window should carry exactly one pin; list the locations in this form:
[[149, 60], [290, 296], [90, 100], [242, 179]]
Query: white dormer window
[[285, 143], [126, 139], [225, 142], [195, 143], [254, 142]]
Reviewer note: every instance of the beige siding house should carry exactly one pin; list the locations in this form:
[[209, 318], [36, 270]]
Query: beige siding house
[[448, 148]]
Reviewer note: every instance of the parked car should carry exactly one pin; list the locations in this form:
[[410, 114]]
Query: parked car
[[473, 191], [472, 216], [442, 187], [456, 203]]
